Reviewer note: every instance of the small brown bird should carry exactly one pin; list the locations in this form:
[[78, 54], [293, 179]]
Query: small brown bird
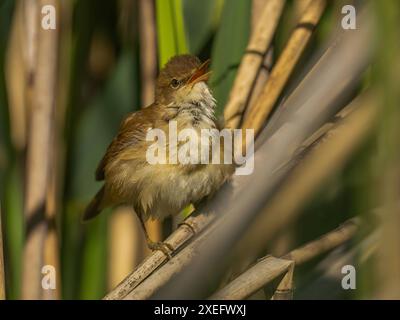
[[160, 190]]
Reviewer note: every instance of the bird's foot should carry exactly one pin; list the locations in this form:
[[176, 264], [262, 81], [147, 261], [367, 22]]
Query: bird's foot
[[164, 247]]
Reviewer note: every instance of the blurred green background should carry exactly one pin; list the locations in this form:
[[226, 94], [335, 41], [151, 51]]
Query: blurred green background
[[101, 82]]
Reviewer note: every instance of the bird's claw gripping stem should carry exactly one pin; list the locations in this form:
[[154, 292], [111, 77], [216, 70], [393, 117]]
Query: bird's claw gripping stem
[[164, 247]]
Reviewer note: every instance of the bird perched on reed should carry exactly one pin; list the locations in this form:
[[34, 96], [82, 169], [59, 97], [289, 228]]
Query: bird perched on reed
[[160, 190]]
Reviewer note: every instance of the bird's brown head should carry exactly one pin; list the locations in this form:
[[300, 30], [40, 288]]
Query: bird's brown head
[[178, 79]]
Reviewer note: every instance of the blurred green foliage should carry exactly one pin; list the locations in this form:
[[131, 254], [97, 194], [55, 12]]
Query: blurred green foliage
[[171, 33], [11, 187], [201, 19]]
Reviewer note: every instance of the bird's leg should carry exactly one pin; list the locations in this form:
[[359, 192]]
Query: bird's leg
[[162, 246]]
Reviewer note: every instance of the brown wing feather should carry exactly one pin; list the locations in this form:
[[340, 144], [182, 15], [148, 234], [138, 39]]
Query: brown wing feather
[[132, 130]]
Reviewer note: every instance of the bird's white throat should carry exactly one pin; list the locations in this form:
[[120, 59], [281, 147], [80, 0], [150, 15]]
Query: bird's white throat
[[197, 108]]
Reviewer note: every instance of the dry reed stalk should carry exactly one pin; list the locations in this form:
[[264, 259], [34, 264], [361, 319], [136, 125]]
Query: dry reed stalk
[[258, 13], [325, 243], [270, 268], [30, 281], [263, 73], [42, 83], [16, 66], [284, 291], [148, 50], [58, 149], [298, 187], [300, 7], [2, 273], [123, 248], [313, 249], [282, 244], [325, 159], [263, 272], [284, 66], [157, 258], [285, 288], [51, 244], [330, 268], [251, 62], [148, 287]]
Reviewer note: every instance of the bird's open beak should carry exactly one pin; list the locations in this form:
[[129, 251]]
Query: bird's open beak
[[201, 74]]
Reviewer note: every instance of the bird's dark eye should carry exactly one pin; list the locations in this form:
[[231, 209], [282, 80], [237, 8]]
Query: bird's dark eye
[[175, 83]]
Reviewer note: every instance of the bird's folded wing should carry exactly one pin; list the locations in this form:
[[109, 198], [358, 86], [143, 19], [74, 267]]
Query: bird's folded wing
[[131, 132]]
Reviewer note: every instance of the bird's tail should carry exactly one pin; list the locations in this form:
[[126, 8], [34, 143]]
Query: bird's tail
[[95, 206]]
